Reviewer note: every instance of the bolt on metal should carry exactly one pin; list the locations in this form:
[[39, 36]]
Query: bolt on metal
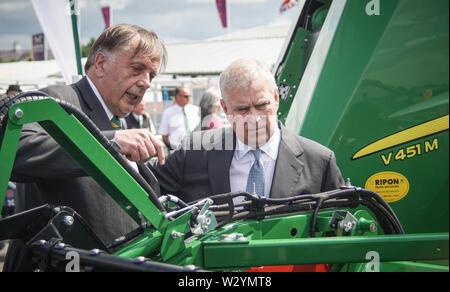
[[68, 220], [94, 252], [18, 114]]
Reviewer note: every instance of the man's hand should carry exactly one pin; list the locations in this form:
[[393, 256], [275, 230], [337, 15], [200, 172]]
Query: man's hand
[[139, 145]]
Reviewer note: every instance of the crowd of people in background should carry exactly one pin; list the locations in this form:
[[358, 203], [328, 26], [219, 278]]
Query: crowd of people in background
[[183, 117]]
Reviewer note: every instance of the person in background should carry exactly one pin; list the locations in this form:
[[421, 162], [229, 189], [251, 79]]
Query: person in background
[[13, 89], [179, 119], [139, 119], [9, 205], [210, 108], [10, 199]]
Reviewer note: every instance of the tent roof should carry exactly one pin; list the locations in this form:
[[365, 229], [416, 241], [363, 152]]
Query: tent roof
[[212, 56]]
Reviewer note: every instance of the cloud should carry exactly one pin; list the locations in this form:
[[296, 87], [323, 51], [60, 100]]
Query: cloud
[[13, 6]]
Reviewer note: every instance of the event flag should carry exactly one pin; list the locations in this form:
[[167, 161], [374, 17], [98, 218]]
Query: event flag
[[222, 8], [287, 4], [107, 16], [38, 47], [55, 19]]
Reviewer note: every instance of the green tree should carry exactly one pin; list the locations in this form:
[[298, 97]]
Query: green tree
[[85, 49]]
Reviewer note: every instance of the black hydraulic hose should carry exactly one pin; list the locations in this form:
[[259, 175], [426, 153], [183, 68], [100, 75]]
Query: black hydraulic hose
[[319, 203], [389, 224], [381, 205], [8, 102], [353, 196], [230, 214]]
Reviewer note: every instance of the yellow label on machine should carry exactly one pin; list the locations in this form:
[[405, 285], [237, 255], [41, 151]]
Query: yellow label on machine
[[392, 186]]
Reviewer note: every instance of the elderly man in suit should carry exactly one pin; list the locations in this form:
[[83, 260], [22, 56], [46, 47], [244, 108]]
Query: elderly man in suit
[[120, 67], [257, 154]]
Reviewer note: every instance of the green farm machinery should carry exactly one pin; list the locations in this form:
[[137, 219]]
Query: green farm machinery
[[368, 79]]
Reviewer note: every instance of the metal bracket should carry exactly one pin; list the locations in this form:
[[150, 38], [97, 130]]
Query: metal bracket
[[343, 221], [173, 241], [206, 221]]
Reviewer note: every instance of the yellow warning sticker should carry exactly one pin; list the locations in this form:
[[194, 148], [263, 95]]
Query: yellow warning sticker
[[392, 186]]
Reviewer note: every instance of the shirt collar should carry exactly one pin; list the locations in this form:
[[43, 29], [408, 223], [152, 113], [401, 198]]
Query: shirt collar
[[270, 148], [100, 99]]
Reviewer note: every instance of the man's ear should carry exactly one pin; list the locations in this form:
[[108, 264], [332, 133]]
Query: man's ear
[[277, 97], [224, 106], [99, 64]]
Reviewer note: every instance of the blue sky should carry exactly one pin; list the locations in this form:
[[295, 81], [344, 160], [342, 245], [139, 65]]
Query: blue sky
[[172, 20]]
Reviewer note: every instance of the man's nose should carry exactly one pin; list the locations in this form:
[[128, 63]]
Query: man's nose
[[144, 81], [253, 117]]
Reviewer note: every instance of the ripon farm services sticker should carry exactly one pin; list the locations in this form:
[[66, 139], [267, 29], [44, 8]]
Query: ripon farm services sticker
[[392, 186]]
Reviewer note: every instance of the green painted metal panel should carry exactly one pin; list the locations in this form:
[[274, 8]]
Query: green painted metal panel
[[149, 242], [290, 77], [433, 266], [325, 250], [8, 148], [385, 80]]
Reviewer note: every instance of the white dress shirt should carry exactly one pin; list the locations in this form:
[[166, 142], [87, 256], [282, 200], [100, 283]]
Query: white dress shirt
[[243, 160], [172, 122]]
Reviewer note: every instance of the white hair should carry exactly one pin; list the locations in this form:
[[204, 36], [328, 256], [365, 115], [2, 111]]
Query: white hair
[[210, 101], [246, 74]]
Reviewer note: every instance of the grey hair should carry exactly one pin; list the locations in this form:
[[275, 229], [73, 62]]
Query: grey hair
[[246, 74], [209, 102], [118, 37]]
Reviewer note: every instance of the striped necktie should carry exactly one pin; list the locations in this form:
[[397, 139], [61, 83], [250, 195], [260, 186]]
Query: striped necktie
[[255, 182], [115, 123]]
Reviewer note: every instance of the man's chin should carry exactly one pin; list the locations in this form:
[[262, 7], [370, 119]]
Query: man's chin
[[126, 110]]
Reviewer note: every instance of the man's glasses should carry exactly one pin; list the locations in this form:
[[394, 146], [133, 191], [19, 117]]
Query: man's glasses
[[186, 96]]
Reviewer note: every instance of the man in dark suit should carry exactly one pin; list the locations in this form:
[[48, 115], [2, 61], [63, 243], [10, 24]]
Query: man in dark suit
[[120, 67], [257, 154], [139, 119]]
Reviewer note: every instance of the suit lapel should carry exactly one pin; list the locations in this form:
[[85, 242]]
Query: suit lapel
[[93, 108], [289, 166], [219, 162]]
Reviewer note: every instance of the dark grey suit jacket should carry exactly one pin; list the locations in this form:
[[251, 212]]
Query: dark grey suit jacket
[[49, 175], [132, 123], [303, 166]]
